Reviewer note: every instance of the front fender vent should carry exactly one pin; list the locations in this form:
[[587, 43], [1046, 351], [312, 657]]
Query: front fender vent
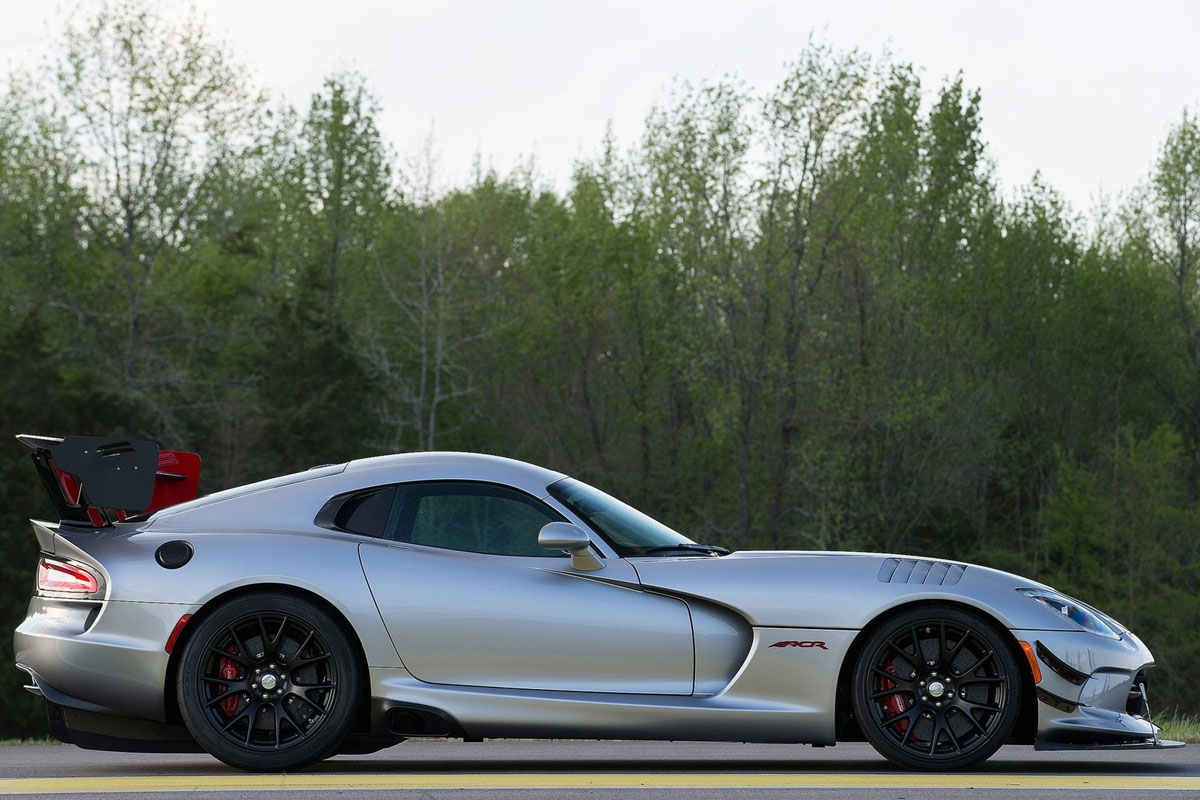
[[913, 570]]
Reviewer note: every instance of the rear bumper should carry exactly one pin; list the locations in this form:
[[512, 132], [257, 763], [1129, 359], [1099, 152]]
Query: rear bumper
[[100, 657], [1088, 694]]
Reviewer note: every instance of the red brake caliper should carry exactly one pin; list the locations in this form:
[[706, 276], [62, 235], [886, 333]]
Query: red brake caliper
[[229, 671], [894, 703]]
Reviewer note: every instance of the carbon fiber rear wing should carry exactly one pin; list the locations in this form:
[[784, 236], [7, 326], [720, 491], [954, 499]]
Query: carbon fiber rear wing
[[95, 481]]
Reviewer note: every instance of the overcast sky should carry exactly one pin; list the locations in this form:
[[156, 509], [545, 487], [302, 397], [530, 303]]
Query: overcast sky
[[1082, 91]]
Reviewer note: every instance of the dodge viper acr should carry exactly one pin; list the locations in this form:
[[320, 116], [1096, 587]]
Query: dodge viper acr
[[349, 607]]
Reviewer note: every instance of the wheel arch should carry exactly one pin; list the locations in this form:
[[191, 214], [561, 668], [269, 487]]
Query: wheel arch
[[170, 699], [846, 726]]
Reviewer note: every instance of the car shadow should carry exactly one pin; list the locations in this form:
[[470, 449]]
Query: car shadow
[[453, 760]]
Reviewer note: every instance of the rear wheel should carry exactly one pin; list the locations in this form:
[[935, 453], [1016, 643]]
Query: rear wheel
[[936, 689], [269, 682]]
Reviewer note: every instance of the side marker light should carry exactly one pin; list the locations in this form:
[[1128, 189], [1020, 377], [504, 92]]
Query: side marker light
[[1033, 662], [178, 629]]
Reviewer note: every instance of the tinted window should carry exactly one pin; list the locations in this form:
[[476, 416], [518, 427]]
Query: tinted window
[[477, 517], [367, 513]]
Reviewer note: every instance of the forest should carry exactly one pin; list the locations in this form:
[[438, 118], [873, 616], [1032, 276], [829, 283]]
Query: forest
[[801, 317]]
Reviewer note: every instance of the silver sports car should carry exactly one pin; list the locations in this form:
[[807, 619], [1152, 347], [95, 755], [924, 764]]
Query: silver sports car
[[349, 607]]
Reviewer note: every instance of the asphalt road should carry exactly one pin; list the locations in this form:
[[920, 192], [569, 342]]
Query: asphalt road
[[424, 770]]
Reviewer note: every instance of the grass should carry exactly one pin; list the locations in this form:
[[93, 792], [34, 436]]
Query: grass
[[1184, 729], [34, 740]]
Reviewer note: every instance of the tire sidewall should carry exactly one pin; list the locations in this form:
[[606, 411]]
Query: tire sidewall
[[340, 717], [996, 640]]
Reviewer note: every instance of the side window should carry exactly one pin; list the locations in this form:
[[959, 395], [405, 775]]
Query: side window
[[367, 513], [478, 517]]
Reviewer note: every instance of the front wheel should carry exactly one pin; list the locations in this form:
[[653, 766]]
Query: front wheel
[[936, 689], [269, 682]]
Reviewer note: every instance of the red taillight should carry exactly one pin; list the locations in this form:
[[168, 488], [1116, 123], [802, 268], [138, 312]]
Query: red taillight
[[59, 576]]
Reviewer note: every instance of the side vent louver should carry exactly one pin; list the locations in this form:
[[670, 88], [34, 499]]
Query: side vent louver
[[911, 570]]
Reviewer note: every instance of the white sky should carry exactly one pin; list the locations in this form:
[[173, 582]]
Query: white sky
[[1083, 91]]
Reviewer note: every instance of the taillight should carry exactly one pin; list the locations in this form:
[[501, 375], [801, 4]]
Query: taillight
[[59, 576]]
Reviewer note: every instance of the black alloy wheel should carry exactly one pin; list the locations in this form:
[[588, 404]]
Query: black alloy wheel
[[269, 682], [937, 688]]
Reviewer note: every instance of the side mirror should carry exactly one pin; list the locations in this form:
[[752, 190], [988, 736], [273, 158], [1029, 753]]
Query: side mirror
[[574, 540]]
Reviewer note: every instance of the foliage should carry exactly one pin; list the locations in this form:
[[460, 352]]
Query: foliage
[[803, 317]]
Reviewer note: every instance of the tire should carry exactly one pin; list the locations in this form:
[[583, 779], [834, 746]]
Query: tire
[[937, 688], [269, 682]]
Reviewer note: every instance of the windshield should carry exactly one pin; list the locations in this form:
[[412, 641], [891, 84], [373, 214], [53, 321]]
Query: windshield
[[628, 530]]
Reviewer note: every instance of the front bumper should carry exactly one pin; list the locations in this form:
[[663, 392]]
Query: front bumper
[[1089, 692]]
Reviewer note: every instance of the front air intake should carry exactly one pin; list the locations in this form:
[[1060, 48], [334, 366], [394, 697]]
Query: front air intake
[[920, 570]]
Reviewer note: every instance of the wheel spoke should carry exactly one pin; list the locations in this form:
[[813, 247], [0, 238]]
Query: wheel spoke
[[304, 662], [983, 659], [237, 658], [966, 634], [292, 721], [268, 651], [250, 722], [900, 650], [911, 730], [223, 681], [937, 732], [276, 715], [910, 715], [237, 642], [303, 645], [971, 717], [955, 743], [244, 713], [888, 693], [896, 679], [307, 689], [302, 698], [968, 706], [221, 698], [916, 642]]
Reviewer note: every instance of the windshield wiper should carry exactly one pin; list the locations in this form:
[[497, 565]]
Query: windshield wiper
[[711, 549]]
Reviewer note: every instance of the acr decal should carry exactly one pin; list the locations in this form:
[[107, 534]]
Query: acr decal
[[801, 644]]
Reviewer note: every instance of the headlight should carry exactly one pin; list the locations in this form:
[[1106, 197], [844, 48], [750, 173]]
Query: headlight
[[1073, 610]]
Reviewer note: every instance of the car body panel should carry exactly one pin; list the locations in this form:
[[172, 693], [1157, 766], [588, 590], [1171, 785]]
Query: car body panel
[[556, 629]]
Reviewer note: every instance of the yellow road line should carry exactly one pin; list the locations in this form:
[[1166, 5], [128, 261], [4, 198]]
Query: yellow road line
[[620, 780]]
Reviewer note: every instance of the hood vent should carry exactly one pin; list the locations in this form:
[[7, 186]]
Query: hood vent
[[914, 570]]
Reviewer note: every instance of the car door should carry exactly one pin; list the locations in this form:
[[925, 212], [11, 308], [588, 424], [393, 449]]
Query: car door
[[470, 599]]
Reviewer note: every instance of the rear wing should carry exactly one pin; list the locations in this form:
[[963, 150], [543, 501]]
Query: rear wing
[[93, 480]]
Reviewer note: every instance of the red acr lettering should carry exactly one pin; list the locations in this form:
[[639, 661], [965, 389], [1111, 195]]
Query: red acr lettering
[[801, 644]]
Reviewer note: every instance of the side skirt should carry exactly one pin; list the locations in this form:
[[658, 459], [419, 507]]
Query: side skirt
[[784, 692]]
